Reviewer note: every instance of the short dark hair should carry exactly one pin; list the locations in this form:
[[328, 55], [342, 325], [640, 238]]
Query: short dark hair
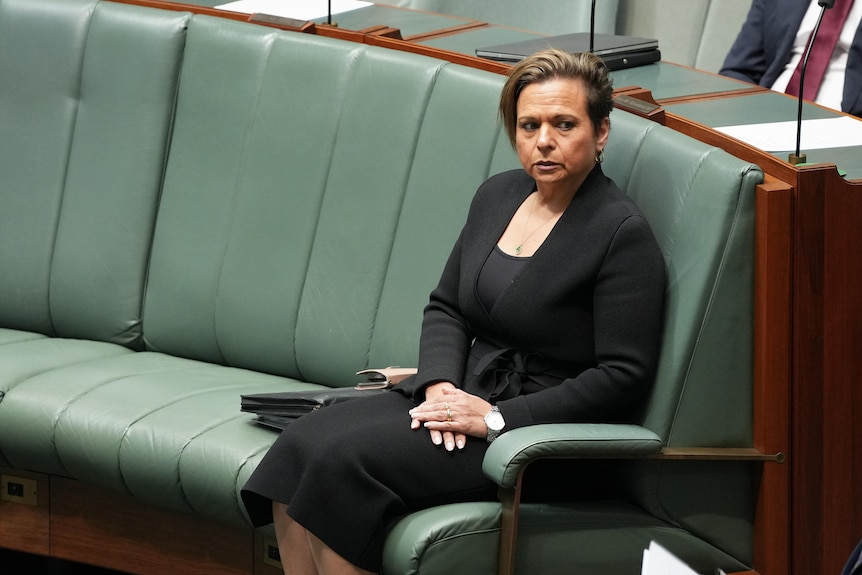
[[552, 64]]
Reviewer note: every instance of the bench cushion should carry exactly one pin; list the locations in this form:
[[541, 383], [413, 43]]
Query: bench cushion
[[86, 107], [596, 537]]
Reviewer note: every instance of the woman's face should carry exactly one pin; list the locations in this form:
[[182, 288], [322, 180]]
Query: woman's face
[[555, 139]]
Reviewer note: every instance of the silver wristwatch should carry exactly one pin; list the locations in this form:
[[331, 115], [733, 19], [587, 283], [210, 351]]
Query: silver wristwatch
[[495, 423]]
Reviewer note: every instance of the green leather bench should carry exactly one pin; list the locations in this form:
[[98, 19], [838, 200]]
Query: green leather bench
[[194, 208]]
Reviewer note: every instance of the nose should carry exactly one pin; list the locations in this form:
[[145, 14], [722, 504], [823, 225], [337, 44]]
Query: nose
[[544, 139]]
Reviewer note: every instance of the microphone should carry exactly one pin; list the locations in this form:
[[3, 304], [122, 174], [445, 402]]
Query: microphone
[[799, 157], [593, 26]]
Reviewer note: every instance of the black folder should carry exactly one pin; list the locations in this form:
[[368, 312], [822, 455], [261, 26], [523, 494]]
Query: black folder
[[280, 408], [618, 52]]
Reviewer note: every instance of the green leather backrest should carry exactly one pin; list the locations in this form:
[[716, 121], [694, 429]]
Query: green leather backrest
[[458, 147], [313, 192], [85, 110], [314, 189], [700, 203]]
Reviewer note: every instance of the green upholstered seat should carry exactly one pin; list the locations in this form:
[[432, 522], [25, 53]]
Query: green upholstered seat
[[86, 107], [275, 219]]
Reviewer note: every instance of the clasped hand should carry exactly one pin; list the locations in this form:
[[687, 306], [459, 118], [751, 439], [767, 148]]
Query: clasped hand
[[450, 415]]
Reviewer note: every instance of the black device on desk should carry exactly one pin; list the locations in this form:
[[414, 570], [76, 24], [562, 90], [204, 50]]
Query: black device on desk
[[618, 52]]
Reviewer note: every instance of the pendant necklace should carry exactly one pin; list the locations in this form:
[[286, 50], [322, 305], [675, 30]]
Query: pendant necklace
[[520, 247]]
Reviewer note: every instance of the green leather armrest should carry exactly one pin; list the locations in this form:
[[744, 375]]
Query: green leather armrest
[[514, 450]]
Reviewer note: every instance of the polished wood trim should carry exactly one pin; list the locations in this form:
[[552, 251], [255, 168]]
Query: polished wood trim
[[713, 95], [718, 454], [772, 371], [385, 32], [446, 31], [440, 54], [639, 102], [100, 527], [827, 368], [842, 378], [283, 23], [193, 8], [510, 500], [808, 368], [331, 31]]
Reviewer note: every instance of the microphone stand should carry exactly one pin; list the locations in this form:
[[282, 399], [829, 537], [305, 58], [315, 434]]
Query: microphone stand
[[592, 26], [799, 157]]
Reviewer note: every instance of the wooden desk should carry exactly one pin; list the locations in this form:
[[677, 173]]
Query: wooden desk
[[768, 106], [411, 23]]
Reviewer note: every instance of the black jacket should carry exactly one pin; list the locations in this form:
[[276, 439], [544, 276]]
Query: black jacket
[[577, 333]]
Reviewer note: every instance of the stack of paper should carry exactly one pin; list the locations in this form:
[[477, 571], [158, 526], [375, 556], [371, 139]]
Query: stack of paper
[[838, 132], [660, 561]]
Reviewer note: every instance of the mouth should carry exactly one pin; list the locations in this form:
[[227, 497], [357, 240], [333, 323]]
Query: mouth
[[546, 165]]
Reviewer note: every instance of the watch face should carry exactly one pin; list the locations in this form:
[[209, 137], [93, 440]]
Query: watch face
[[494, 421]]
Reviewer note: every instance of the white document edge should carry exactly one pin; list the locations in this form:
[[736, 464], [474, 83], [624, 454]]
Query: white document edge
[[659, 561], [840, 132], [298, 9]]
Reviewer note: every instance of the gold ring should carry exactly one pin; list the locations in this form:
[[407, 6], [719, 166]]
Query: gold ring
[[448, 412]]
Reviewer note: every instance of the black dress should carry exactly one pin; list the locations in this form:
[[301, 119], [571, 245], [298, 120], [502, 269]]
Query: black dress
[[573, 336]]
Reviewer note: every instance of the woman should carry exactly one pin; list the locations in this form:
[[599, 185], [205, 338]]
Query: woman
[[548, 310]]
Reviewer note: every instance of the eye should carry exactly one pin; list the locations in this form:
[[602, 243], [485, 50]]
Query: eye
[[565, 125], [529, 126]]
